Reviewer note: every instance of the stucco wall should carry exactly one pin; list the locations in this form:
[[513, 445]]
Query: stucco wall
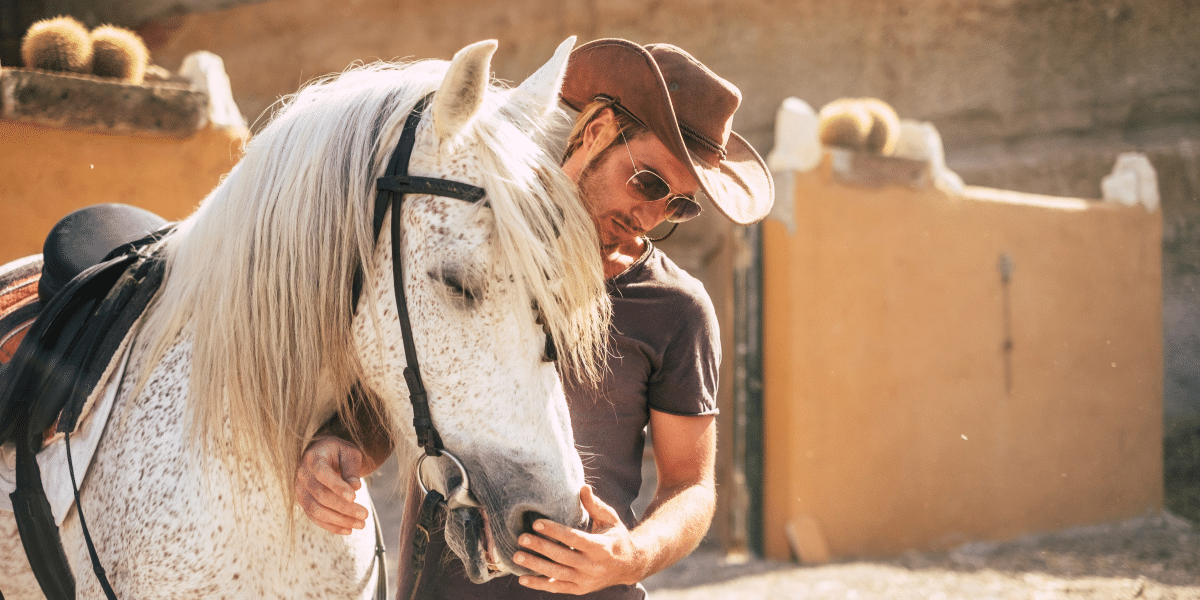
[[46, 173], [915, 400]]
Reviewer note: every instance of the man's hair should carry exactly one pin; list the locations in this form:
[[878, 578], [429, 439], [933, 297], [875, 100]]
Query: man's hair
[[625, 123]]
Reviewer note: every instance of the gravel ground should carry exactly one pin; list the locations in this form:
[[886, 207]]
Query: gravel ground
[[1150, 557]]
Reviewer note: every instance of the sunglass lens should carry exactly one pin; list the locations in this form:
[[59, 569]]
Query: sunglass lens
[[649, 186], [682, 209], [652, 188]]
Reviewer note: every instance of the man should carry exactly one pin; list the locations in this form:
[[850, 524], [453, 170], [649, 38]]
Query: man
[[652, 143]]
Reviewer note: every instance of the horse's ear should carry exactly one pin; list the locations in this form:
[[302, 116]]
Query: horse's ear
[[461, 93], [545, 84]]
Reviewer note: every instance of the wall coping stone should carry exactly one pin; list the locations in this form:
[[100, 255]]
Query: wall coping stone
[[89, 103]]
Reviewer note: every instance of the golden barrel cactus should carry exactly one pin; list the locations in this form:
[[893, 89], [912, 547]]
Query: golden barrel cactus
[[58, 44], [119, 53]]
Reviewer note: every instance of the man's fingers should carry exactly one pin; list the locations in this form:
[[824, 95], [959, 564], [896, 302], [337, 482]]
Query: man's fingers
[[326, 482], [336, 465], [332, 500], [550, 549], [546, 584], [572, 538], [350, 462], [340, 520], [334, 521], [542, 566], [331, 480]]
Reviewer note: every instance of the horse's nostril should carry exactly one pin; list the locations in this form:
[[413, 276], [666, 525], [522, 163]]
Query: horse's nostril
[[528, 518]]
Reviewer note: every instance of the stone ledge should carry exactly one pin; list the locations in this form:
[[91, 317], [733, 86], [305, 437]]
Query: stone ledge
[[92, 104], [872, 170]]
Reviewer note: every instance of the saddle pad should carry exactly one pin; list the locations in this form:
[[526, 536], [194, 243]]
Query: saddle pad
[[19, 302], [18, 282], [52, 460]]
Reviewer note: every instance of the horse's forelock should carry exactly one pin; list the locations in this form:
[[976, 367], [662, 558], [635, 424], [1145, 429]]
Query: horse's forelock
[[545, 237]]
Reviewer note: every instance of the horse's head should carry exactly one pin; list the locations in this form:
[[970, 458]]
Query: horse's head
[[490, 288]]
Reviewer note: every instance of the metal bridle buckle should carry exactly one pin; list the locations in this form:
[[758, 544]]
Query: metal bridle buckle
[[460, 496]]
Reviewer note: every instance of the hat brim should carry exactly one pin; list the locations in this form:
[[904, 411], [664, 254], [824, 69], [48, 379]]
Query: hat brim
[[739, 185]]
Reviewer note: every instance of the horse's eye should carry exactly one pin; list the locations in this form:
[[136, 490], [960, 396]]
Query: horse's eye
[[455, 285]]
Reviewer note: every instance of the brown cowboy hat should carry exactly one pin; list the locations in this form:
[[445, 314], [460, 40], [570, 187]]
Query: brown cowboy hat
[[687, 106]]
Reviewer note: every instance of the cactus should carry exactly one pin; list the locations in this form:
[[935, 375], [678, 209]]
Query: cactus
[[885, 126], [845, 123], [58, 44], [865, 124], [119, 53]]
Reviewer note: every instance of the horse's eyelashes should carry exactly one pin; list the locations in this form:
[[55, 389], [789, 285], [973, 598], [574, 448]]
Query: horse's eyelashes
[[455, 285]]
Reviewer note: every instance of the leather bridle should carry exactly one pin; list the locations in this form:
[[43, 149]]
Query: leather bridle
[[395, 184], [391, 190]]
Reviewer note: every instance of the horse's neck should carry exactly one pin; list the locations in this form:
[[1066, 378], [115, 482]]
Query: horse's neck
[[166, 382]]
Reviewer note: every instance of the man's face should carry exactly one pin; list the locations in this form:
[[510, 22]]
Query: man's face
[[620, 214]]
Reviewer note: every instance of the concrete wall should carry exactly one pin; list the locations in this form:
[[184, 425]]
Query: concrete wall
[[46, 173], [915, 399]]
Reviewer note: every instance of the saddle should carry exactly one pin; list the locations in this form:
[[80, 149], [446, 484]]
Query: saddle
[[94, 280]]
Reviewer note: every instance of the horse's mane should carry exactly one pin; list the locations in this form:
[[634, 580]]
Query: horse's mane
[[259, 277]]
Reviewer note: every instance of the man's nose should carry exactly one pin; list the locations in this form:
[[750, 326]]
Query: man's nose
[[649, 214]]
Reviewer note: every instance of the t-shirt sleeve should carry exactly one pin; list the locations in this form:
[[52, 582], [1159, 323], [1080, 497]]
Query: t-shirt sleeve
[[686, 381]]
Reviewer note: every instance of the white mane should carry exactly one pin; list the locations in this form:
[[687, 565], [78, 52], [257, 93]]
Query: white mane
[[259, 277]]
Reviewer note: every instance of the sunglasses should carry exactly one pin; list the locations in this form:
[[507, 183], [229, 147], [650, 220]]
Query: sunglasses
[[651, 187]]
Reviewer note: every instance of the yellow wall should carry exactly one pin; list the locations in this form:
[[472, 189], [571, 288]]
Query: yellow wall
[[46, 173], [888, 422]]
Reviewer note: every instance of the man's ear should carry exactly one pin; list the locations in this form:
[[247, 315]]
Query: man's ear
[[598, 134]]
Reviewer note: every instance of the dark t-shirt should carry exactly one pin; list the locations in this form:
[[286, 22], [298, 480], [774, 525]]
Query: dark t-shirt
[[664, 353]]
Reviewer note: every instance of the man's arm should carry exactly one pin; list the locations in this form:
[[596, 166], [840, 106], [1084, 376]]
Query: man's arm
[[330, 470], [675, 522], [685, 452]]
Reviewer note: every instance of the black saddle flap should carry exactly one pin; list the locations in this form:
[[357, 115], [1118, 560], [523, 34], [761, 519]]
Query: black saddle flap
[[71, 343]]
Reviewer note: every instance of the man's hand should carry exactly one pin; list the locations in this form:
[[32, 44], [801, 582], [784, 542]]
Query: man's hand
[[326, 480], [579, 561]]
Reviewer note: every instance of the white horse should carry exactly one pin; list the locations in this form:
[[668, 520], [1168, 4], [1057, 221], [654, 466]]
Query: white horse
[[253, 341]]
